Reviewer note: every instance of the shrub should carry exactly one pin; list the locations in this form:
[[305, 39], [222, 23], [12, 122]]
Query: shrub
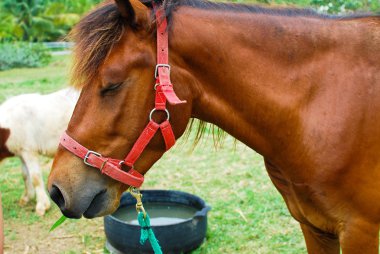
[[40, 20], [22, 54], [342, 6]]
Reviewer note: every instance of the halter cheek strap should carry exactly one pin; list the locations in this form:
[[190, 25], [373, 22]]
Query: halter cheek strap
[[164, 92], [162, 72]]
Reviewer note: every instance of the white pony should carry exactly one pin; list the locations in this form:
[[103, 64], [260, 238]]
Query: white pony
[[31, 124]]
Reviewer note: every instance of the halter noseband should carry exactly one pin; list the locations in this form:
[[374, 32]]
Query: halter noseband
[[164, 92]]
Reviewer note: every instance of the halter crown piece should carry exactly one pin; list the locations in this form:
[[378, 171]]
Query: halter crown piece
[[164, 92]]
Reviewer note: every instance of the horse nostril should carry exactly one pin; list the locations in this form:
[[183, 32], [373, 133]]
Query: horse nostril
[[57, 197]]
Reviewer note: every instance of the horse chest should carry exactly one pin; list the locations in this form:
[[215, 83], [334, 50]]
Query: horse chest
[[302, 201]]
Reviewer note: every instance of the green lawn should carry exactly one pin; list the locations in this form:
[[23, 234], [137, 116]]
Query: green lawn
[[248, 214], [30, 80]]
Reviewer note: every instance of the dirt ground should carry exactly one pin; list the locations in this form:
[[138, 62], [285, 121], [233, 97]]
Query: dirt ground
[[31, 239], [27, 233]]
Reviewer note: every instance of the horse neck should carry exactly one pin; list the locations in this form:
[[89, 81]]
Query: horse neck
[[250, 73]]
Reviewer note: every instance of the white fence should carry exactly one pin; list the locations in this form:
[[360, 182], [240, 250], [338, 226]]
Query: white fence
[[59, 48], [58, 45]]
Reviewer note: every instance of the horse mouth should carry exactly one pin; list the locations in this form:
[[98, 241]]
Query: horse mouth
[[97, 205]]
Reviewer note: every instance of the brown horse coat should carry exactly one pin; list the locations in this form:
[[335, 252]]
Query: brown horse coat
[[301, 89]]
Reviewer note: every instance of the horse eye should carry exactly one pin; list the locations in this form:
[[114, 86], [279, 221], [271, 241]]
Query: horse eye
[[110, 88]]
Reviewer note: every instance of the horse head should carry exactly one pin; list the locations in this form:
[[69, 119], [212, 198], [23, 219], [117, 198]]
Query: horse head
[[115, 60]]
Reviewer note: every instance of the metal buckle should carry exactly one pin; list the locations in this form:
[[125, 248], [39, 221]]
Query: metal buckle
[[153, 110], [88, 155], [158, 66]]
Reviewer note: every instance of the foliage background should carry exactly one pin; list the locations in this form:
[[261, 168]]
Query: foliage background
[[23, 54], [40, 20]]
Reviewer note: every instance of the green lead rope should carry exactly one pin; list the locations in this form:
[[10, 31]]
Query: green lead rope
[[147, 232]]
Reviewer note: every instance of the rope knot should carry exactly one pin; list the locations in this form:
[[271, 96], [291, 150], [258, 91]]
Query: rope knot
[[147, 232]]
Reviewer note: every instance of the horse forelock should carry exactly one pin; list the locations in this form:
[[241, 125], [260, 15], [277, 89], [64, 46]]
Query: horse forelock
[[4, 135], [94, 37]]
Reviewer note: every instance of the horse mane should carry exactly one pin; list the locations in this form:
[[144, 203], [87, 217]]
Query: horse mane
[[171, 5], [96, 34]]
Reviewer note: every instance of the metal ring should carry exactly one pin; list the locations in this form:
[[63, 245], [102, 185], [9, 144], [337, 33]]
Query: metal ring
[[153, 110]]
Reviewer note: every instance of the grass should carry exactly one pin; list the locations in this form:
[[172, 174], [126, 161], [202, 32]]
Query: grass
[[247, 212], [248, 215], [29, 80]]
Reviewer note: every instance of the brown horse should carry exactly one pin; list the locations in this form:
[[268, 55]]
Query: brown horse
[[301, 89]]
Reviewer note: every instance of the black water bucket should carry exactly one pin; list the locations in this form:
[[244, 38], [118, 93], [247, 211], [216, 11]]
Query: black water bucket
[[177, 235]]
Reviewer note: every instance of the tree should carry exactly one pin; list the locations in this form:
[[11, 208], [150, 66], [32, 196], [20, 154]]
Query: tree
[[40, 20]]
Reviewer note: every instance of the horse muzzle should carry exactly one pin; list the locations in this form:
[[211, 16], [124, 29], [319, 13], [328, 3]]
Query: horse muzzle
[[90, 206], [83, 193]]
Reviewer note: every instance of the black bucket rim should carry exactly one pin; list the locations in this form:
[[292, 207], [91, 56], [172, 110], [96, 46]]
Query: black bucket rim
[[202, 212]]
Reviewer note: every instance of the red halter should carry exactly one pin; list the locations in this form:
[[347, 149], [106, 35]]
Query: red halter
[[164, 91]]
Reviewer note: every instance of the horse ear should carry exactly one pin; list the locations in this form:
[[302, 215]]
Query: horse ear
[[126, 9], [133, 11]]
